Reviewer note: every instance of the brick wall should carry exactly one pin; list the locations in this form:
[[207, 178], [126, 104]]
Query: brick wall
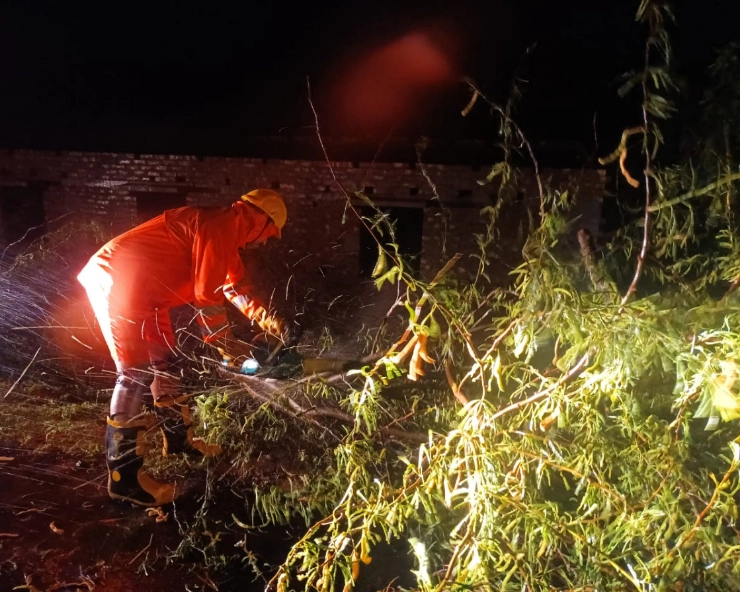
[[320, 249]]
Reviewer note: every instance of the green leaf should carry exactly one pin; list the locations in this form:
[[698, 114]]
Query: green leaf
[[389, 276], [381, 264]]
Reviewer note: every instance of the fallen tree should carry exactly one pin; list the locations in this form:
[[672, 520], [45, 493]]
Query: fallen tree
[[580, 429]]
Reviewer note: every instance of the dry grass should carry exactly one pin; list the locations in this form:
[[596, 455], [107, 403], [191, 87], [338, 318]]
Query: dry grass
[[41, 420]]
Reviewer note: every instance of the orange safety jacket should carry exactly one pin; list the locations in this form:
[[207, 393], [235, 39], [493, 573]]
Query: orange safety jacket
[[185, 255]]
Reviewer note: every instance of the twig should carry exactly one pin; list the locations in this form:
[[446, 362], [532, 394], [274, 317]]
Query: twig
[[647, 173], [28, 586], [519, 132], [383, 323], [491, 349], [275, 352], [91, 482], [151, 537], [87, 583], [587, 255], [733, 286], [10, 390], [576, 369], [339, 184], [696, 193], [32, 228], [419, 147], [486, 300], [299, 411], [700, 518], [207, 581], [469, 534], [456, 391], [424, 297]]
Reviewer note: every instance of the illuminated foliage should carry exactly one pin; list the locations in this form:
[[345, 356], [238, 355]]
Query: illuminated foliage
[[585, 435]]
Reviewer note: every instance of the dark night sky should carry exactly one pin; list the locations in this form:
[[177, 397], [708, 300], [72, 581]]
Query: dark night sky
[[191, 77]]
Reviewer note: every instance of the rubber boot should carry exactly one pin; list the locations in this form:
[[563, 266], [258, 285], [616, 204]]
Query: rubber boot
[[127, 481], [177, 430]]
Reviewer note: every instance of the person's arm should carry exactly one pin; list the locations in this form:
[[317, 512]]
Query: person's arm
[[238, 293]]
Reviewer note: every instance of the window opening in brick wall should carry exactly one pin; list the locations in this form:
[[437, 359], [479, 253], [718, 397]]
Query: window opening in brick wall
[[150, 204], [22, 216], [413, 191], [408, 224]]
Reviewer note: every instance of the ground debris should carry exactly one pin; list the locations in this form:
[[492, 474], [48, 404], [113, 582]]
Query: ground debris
[[55, 530], [39, 510], [140, 553], [160, 515], [206, 579], [85, 584], [28, 586]]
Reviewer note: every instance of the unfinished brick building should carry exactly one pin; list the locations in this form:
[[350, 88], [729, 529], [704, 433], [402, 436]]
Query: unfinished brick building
[[325, 249]]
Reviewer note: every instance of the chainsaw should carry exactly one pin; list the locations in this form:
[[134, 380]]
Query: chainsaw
[[289, 363]]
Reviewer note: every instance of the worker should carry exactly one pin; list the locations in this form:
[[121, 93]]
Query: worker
[[185, 255]]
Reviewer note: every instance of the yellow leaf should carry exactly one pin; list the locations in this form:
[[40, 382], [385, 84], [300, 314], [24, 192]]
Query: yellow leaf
[[726, 403]]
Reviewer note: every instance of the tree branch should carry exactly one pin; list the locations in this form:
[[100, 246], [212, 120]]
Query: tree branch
[[574, 371], [307, 412], [695, 193]]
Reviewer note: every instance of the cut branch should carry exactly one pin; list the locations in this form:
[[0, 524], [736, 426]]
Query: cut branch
[[275, 393]]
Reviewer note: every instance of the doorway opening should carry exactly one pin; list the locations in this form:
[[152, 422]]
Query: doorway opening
[[408, 224]]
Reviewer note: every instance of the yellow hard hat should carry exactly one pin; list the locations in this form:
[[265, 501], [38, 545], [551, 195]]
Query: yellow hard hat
[[271, 203]]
